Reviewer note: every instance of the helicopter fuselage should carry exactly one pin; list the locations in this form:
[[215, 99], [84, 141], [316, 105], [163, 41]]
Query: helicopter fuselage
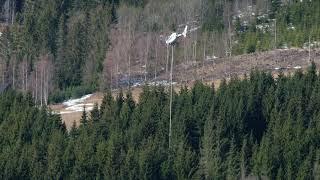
[[171, 39], [174, 36]]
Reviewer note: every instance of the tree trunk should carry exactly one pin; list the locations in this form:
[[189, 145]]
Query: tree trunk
[[13, 76], [41, 87], [22, 76], [167, 64], [13, 11], [3, 73], [46, 86], [36, 84], [129, 76], [26, 76], [117, 75], [146, 60]]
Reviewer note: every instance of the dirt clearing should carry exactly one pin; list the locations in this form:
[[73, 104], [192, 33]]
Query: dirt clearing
[[207, 71]]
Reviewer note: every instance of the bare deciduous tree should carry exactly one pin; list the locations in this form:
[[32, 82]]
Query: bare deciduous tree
[[42, 79]]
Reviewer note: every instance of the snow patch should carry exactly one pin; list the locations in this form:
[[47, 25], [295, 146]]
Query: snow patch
[[76, 105], [161, 83], [297, 67], [79, 107], [73, 102]]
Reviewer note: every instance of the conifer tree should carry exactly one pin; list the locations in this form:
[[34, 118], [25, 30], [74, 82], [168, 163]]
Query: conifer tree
[[232, 162], [84, 117], [305, 170], [55, 153], [95, 114], [107, 102], [280, 173], [244, 159], [73, 131], [316, 166]]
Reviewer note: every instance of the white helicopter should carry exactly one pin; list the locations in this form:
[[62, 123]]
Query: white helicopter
[[174, 36]]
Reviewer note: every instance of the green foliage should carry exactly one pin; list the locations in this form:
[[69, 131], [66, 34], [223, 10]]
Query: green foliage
[[296, 22], [77, 33], [84, 117], [71, 92], [74, 32], [257, 127]]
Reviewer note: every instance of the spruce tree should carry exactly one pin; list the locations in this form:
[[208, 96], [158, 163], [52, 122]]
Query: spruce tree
[[244, 159], [232, 162], [95, 114], [316, 166], [84, 117]]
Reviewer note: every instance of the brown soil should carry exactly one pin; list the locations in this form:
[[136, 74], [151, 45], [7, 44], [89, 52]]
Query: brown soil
[[214, 71], [70, 118], [239, 65]]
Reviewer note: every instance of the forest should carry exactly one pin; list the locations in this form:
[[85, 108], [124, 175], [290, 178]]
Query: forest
[[255, 127], [57, 49]]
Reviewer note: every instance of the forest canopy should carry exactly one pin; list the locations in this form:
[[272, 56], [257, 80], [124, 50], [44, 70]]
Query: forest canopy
[[252, 127], [257, 126]]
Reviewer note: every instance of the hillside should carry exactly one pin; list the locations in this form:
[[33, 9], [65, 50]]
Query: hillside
[[68, 48], [274, 62], [285, 60], [86, 90]]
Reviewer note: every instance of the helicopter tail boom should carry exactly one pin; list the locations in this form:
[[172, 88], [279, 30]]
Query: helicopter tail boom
[[185, 31]]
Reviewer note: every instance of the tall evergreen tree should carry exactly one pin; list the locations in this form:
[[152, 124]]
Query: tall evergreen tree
[[84, 117]]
